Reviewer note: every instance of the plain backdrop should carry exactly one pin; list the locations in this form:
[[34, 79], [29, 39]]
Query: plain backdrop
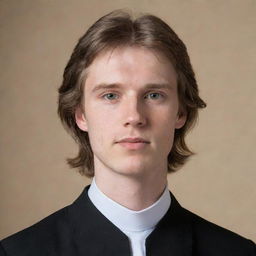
[[36, 40]]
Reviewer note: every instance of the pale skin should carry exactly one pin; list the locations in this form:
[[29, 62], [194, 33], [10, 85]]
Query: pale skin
[[131, 92]]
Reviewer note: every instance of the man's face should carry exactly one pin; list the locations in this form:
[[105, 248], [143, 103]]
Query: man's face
[[130, 92]]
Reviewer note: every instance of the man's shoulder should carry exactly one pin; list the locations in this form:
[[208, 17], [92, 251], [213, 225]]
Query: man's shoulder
[[51, 230], [55, 234], [211, 239]]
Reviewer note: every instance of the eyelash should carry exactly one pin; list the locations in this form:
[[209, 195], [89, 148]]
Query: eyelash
[[104, 95]]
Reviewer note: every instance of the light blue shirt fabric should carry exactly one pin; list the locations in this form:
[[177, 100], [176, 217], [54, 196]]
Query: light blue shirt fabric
[[137, 225]]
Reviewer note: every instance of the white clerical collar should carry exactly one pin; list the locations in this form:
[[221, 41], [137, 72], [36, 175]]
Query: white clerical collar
[[126, 219]]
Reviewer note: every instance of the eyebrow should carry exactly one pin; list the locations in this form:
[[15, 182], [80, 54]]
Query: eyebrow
[[147, 86]]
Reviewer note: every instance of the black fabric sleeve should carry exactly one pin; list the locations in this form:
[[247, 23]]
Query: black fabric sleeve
[[253, 248], [2, 251]]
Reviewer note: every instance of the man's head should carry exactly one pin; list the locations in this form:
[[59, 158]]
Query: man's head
[[110, 38]]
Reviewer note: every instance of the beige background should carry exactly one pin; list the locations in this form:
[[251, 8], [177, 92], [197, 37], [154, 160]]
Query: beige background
[[37, 38]]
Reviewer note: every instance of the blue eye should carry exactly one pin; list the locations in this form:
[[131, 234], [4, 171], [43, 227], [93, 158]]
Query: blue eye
[[112, 96], [155, 95]]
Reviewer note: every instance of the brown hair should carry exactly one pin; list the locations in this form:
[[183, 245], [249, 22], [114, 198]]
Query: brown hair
[[116, 29]]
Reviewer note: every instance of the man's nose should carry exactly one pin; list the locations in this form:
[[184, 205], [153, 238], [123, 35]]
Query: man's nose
[[134, 113]]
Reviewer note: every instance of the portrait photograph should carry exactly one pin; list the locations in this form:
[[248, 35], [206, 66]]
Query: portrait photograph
[[127, 128]]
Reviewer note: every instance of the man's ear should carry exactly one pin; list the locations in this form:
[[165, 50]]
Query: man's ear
[[181, 119], [81, 120]]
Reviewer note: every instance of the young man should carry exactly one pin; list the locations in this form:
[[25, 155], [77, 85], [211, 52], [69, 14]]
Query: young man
[[128, 98]]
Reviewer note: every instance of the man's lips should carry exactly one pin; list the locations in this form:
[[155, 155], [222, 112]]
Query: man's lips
[[133, 140], [133, 143]]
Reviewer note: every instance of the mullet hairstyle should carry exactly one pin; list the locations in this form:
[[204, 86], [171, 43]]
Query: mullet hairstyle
[[118, 29]]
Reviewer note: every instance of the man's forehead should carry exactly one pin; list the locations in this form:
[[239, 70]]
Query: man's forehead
[[116, 66], [127, 52]]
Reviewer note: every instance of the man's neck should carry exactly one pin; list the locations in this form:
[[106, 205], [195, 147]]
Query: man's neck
[[135, 193]]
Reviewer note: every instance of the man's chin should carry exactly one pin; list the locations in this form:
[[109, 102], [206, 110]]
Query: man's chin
[[133, 170]]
